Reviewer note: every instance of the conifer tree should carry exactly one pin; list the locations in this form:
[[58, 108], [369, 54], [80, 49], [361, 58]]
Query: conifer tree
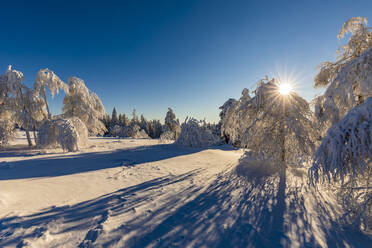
[[114, 118]]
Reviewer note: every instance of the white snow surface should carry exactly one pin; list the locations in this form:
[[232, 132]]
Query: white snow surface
[[140, 193]]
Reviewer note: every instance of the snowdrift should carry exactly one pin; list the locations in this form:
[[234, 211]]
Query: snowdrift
[[70, 134]]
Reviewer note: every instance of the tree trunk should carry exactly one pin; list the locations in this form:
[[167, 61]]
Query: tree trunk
[[28, 137], [34, 131], [282, 157], [26, 128], [282, 144], [46, 103]]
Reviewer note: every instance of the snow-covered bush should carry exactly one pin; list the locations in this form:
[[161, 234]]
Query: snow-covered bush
[[70, 134], [346, 150], [116, 131], [140, 134], [167, 136], [132, 131], [194, 135], [345, 158], [80, 102]]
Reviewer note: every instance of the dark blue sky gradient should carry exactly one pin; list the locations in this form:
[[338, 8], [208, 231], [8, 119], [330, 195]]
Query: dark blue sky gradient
[[188, 55]]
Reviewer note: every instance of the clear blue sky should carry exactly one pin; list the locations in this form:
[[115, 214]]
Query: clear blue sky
[[188, 55]]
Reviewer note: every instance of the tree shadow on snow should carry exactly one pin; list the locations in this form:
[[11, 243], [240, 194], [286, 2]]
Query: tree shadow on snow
[[84, 162], [242, 207], [241, 210]]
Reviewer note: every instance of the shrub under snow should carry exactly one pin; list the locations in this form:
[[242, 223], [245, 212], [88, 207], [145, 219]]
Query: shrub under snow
[[345, 157], [194, 135], [167, 136], [132, 131], [70, 134], [347, 147]]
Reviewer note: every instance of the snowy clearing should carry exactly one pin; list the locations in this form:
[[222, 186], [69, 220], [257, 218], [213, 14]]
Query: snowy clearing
[[142, 193]]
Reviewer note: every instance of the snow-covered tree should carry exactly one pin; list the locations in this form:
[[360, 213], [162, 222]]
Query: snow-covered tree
[[172, 126], [144, 124], [18, 103], [273, 125], [195, 134], [70, 134], [134, 120], [359, 42], [80, 102], [234, 118], [170, 121], [345, 157], [7, 131], [349, 80], [155, 129], [114, 118], [8, 106], [34, 112], [106, 120], [120, 119], [29, 106], [124, 120], [47, 78]]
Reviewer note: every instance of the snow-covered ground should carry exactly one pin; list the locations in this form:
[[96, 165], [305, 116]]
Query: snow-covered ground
[[141, 193]]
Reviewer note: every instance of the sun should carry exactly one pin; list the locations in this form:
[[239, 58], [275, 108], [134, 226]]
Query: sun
[[285, 88]]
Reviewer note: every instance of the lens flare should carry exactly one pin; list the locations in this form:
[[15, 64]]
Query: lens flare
[[285, 88]]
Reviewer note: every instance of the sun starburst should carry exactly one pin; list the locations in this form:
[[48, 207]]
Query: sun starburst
[[285, 88]]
